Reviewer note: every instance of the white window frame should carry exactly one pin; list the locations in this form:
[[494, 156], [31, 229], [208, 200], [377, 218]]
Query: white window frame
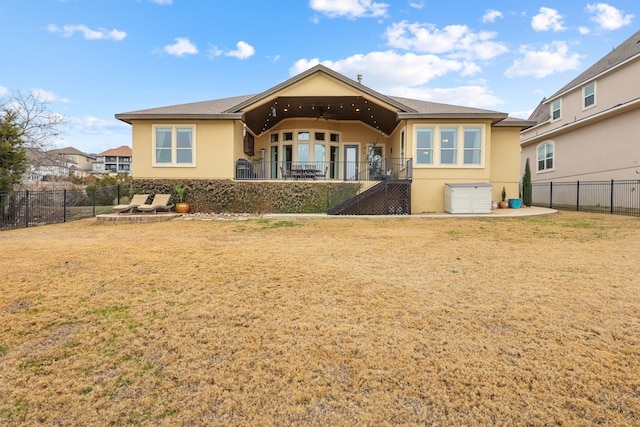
[[553, 109], [546, 158], [460, 149], [585, 96], [174, 148]]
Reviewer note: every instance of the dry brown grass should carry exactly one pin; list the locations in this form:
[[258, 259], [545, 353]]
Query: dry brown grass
[[461, 321]]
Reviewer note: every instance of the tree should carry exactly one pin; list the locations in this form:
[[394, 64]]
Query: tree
[[13, 160], [527, 190], [37, 126]]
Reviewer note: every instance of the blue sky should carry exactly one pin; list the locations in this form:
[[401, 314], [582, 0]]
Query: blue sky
[[91, 59]]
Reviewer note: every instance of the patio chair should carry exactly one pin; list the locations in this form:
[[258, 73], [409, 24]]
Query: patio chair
[[136, 200], [160, 203]]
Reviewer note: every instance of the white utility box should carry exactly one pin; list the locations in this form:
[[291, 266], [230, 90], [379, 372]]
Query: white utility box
[[464, 198]]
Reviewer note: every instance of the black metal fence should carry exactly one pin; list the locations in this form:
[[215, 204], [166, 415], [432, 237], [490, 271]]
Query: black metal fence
[[620, 197], [29, 208]]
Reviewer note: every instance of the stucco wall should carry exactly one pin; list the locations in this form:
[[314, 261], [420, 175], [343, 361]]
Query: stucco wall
[[217, 143]]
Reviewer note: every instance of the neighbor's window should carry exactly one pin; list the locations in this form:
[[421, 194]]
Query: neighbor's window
[[472, 146], [545, 157], [556, 109], [424, 145], [174, 145], [589, 95]]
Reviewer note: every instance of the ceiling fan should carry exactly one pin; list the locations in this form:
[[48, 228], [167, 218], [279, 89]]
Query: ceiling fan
[[322, 112]]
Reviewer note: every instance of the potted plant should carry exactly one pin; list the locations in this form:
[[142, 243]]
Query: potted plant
[[181, 205], [503, 203], [516, 203]]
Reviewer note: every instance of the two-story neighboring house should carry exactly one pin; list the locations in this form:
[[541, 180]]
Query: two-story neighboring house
[[114, 160], [588, 130], [78, 163]]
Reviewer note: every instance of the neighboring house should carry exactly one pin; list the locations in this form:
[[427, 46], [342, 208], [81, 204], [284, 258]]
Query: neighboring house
[[588, 130], [323, 125], [43, 164], [78, 163], [113, 161]]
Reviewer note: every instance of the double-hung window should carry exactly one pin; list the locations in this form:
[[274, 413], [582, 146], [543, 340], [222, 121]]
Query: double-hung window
[[556, 109], [424, 155], [472, 146], [589, 95], [174, 145], [448, 146], [545, 157]]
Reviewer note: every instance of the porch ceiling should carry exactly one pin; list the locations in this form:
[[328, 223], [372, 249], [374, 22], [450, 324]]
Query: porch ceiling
[[330, 108]]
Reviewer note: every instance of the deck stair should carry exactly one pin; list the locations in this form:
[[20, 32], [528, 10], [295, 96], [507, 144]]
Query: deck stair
[[387, 197]]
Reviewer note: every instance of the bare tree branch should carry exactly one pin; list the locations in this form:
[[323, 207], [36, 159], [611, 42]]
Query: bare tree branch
[[39, 125]]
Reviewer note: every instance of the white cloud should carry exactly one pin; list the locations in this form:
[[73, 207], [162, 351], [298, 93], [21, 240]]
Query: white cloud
[[416, 4], [46, 96], [243, 51], [385, 70], [88, 33], [469, 96], [4, 91], [349, 8], [162, 1], [95, 126], [455, 40], [547, 20], [553, 58], [181, 47], [491, 16], [608, 17], [584, 30]]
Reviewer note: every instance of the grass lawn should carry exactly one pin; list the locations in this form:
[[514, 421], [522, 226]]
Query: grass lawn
[[350, 321]]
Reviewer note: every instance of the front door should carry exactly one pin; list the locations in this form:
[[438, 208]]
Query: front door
[[351, 162]]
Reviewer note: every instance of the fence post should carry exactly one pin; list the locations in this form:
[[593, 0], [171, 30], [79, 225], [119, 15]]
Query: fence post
[[611, 207], [578, 196], [93, 201], [26, 209], [118, 194], [551, 195], [64, 205]]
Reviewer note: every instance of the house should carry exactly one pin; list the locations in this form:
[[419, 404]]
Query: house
[[75, 161], [588, 130], [113, 161], [324, 127], [41, 164]]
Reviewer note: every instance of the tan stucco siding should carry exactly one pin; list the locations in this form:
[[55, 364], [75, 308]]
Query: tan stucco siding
[[319, 85], [216, 144], [500, 166]]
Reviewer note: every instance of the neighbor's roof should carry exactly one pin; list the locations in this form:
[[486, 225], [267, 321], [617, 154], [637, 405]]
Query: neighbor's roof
[[71, 151], [122, 151], [627, 50]]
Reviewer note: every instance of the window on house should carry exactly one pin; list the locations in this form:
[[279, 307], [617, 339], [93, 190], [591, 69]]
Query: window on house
[[303, 136], [424, 146], [274, 137], [174, 145], [448, 146], [318, 136], [472, 146], [287, 136], [556, 109], [545, 157], [589, 95], [335, 137]]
